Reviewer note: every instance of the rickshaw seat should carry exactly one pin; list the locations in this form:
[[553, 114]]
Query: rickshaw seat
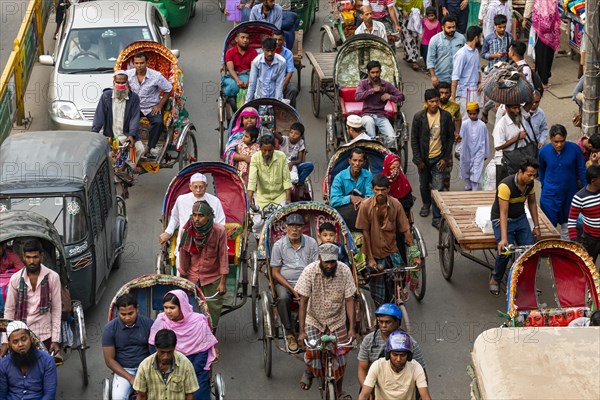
[[234, 241], [351, 106]]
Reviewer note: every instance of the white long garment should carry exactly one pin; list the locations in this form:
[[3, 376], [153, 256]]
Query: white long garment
[[475, 149]]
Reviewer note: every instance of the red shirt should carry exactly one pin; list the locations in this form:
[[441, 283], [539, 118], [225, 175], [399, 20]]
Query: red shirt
[[240, 62]]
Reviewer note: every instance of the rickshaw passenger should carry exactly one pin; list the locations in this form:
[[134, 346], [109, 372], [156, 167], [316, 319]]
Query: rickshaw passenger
[[327, 234], [267, 73], [370, 25], [269, 12], [180, 214], [118, 116], [375, 93], [350, 187], [380, 218], [355, 129], [372, 347], [194, 337], [290, 255], [400, 188], [238, 60], [203, 256], [290, 90], [269, 178], [9, 259], [396, 376], [294, 148], [248, 117], [27, 372], [148, 83], [125, 344], [34, 298], [245, 150], [385, 12], [327, 289]]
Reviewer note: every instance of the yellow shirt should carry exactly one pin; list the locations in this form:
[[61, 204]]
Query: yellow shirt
[[390, 385], [269, 182], [435, 137]]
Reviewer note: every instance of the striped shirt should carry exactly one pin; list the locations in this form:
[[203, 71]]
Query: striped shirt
[[373, 346], [588, 204], [492, 44]]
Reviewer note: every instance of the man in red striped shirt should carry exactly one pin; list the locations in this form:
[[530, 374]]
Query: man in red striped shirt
[[587, 203]]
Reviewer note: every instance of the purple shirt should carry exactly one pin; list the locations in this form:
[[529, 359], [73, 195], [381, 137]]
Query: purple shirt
[[39, 383], [372, 103]]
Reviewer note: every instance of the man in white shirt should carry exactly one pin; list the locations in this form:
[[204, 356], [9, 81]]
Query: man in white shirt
[[183, 208], [355, 129], [508, 135], [369, 25]]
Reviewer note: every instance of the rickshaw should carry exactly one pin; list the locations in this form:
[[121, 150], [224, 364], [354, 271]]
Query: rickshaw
[[314, 215], [275, 116], [177, 143], [348, 69], [229, 187], [376, 154], [342, 24], [257, 31], [149, 291], [21, 226]]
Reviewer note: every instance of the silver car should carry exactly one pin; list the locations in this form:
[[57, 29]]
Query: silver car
[[89, 42]]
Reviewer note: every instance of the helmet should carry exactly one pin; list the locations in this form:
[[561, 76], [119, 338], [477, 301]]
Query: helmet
[[398, 341], [389, 309]]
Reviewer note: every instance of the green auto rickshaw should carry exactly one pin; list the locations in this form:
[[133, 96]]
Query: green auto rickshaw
[[176, 12]]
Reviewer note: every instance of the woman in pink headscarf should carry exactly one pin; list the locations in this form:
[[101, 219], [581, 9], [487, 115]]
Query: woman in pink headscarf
[[399, 185], [248, 117], [195, 339], [545, 21]]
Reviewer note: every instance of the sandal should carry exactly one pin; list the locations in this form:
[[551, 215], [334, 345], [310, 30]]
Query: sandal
[[415, 66], [494, 287], [344, 396], [306, 380]]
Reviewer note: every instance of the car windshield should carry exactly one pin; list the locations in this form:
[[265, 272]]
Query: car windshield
[[88, 50], [67, 213]]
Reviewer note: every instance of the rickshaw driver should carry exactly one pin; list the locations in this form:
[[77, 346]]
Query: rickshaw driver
[[375, 93], [34, 297], [148, 83], [380, 218], [384, 11], [238, 60], [350, 187], [290, 255], [269, 178], [327, 290]]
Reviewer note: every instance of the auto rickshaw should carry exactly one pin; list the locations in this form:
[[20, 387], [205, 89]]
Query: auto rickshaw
[[176, 12]]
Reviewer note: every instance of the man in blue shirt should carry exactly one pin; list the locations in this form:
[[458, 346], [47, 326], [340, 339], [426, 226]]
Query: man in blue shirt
[[459, 9], [125, 344], [465, 71], [442, 48], [269, 12], [535, 120], [290, 91], [27, 373], [267, 73], [350, 187]]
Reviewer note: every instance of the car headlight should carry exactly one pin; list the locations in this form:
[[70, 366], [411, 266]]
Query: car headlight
[[65, 109]]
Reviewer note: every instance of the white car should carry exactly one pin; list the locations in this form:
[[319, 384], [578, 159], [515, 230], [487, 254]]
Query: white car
[[89, 42]]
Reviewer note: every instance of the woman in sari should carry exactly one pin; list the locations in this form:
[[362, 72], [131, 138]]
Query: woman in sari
[[195, 339], [248, 117]]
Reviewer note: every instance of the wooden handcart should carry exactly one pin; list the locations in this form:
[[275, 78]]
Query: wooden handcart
[[459, 232], [321, 79]]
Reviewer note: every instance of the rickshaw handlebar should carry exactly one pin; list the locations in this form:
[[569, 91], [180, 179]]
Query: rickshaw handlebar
[[317, 344]]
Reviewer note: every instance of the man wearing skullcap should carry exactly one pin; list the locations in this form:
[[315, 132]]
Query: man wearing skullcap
[[475, 150], [118, 116], [183, 208], [203, 256], [27, 372]]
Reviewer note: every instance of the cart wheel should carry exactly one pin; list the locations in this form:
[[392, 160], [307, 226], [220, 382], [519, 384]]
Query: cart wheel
[[222, 118], [405, 325], [267, 337], [255, 310], [327, 42], [189, 150], [315, 92], [106, 389], [446, 250], [420, 291], [330, 137]]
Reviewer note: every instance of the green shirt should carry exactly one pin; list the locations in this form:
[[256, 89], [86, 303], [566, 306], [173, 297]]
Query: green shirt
[[181, 381], [269, 182]]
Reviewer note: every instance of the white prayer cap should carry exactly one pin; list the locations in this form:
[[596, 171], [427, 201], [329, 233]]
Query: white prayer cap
[[15, 326], [198, 177], [120, 72]]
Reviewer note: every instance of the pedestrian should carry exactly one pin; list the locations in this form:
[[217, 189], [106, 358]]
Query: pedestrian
[[445, 90], [397, 376], [327, 290], [166, 374], [267, 73], [432, 138], [203, 256], [586, 202], [381, 218], [508, 134], [195, 340], [562, 174], [535, 120], [545, 22], [466, 80], [495, 8], [431, 27], [496, 44], [125, 344], [459, 9], [509, 219], [26, 372], [442, 48], [475, 150], [409, 18], [588, 146], [34, 297]]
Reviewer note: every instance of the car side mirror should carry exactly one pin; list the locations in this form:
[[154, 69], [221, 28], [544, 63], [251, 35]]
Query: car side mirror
[[175, 52], [164, 31], [45, 59]]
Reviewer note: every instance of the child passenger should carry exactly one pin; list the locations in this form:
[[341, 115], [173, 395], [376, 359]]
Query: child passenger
[[295, 151], [245, 150], [327, 234]]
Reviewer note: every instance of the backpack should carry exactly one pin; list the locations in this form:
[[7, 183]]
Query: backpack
[[535, 78]]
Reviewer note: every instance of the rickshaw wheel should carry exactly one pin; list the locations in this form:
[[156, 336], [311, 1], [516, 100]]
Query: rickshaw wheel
[[82, 356], [405, 325], [219, 387], [330, 137], [367, 306], [189, 150], [222, 120], [106, 389], [404, 155], [330, 391], [419, 293], [255, 305], [446, 250], [315, 92], [327, 45], [267, 338], [80, 331]]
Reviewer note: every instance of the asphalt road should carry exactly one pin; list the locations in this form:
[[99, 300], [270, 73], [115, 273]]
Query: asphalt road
[[12, 13], [446, 323]]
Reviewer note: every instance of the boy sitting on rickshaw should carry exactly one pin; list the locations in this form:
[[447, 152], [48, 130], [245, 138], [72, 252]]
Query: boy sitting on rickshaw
[[295, 150]]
